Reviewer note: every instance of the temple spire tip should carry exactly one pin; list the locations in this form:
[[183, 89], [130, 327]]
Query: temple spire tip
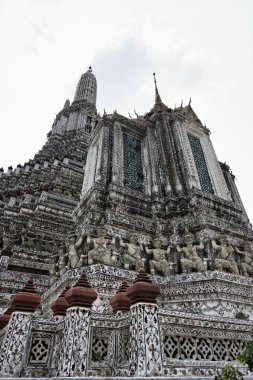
[[157, 95]]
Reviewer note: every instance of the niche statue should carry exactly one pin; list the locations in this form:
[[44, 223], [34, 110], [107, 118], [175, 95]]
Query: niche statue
[[225, 260], [132, 257], [191, 261], [159, 263]]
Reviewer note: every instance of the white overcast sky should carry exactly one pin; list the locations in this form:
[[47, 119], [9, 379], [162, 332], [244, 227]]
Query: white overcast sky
[[199, 48]]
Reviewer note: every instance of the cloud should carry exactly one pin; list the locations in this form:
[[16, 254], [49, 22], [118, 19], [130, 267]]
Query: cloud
[[119, 72]]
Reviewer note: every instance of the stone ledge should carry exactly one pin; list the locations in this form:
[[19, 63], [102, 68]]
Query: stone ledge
[[122, 378]]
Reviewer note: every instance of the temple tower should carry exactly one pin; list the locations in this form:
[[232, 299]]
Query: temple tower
[[107, 197], [158, 171], [81, 114]]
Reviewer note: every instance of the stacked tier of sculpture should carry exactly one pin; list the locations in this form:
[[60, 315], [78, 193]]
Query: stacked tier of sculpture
[[109, 197]]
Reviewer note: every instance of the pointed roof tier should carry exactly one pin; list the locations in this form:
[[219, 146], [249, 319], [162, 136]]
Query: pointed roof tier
[[27, 300], [143, 290], [86, 89], [81, 294], [120, 301], [60, 305]]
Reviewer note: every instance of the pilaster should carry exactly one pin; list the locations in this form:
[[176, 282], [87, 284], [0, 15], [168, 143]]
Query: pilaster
[[14, 346], [145, 357], [76, 337], [153, 161], [118, 161], [75, 346], [145, 346]]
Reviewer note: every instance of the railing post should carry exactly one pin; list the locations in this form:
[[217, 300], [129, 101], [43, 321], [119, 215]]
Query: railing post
[[145, 357], [76, 339], [18, 329]]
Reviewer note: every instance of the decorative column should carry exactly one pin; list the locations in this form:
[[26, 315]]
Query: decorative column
[[14, 346], [76, 339], [145, 346]]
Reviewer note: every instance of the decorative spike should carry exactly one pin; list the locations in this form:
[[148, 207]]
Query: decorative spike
[[157, 95], [66, 104]]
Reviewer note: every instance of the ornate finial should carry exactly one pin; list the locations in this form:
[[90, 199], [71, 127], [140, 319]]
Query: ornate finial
[[90, 69], [181, 103], [190, 101], [157, 96], [60, 305], [27, 299], [142, 290], [81, 295], [136, 113], [120, 301]]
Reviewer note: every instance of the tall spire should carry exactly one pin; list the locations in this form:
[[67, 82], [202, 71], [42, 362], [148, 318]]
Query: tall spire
[[86, 89], [157, 95]]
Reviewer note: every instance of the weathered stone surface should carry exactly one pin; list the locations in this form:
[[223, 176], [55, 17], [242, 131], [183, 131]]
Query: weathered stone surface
[[106, 196]]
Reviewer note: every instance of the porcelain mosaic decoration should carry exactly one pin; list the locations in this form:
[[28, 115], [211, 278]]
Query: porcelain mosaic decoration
[[125, 249]]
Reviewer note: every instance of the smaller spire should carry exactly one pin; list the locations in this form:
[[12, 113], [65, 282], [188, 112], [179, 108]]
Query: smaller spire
[[157, 95], [66, 104]]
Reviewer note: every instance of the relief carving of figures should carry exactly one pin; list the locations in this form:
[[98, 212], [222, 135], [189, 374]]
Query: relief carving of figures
[[132, 257], [159, 263], [191, 262], [225, 260], [102, 252], [247, 263], [75, 260]]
